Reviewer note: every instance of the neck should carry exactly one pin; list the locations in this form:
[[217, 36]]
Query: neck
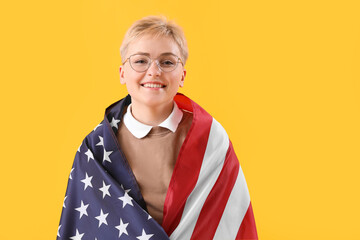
[[151, 115]]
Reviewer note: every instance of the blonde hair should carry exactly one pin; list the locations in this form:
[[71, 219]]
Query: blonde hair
[[157, 26]]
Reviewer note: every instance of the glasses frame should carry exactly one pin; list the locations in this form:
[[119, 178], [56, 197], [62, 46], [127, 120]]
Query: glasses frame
[[151, 61]]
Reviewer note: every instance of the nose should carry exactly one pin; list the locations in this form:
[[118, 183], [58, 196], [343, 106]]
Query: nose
[[154, 69]]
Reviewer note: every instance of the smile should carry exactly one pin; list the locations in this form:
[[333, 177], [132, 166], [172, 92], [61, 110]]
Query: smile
[[153, 85]]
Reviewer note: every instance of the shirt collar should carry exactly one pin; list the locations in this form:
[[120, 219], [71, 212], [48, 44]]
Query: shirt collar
[[140, 130]]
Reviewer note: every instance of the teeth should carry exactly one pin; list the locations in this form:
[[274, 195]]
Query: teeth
[[152, 85]]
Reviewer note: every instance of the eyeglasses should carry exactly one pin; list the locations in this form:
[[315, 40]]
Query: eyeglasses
[[141, 62]]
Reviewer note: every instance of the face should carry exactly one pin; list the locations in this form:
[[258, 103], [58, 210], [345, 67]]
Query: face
[[140, 85]]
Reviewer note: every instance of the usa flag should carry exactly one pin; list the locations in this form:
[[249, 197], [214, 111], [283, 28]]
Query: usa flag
[[207, 196]]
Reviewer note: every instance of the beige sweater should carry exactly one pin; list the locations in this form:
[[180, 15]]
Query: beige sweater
[[152, 160]]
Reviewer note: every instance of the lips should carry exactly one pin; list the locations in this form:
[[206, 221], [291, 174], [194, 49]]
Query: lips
[[153, 85]]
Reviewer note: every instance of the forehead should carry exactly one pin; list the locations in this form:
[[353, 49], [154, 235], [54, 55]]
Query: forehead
[[153, 46]]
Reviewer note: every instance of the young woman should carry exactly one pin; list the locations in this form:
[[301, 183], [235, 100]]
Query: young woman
[[158, 166]]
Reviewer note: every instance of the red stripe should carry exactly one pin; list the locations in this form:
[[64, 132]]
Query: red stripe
[[247, 229], [188, 164], [184, 102], [215, 203]]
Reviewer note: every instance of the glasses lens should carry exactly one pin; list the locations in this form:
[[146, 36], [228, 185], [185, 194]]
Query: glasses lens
[[139, 62], [168, 62]]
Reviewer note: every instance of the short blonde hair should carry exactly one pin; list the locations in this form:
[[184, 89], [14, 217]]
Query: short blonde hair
[[157, 26]]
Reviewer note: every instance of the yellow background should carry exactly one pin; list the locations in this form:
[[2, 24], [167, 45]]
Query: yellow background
[[282, 77]]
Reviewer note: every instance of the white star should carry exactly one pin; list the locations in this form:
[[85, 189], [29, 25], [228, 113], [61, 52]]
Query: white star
[[127, 190], [78, 236], [107, 155], [87, 181], [97, 126], [144, 236], [126, 199], [79, 147], [122, 228], [89, 154], [102, 218], [105, 190], [64, 202], [149, 217], [101, 143], [58, 234], [71, 172], [114, 122], [82, 209]]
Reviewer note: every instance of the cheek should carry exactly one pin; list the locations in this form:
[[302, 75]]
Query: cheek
[[133, 77], [176, 76]]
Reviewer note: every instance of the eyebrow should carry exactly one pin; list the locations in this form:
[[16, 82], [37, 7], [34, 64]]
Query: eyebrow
[[148, 54]]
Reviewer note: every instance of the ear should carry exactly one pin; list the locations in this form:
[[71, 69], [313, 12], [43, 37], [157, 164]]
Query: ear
[[182, 78], [122, 77]]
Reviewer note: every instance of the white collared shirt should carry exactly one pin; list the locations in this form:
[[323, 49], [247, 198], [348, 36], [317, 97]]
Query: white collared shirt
[[140, 130]]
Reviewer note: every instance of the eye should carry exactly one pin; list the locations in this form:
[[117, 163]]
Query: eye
[[167, 63], [140, 61]]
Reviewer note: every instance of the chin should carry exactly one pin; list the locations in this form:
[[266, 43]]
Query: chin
[[152, 101]]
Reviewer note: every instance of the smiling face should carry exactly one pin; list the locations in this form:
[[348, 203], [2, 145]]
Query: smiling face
[[152, 88]]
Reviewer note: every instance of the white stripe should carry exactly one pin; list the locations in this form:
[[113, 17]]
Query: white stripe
[[216, 149], [235, 210]]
